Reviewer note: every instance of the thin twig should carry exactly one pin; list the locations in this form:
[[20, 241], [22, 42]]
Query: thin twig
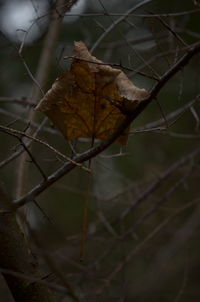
[[19, 152], [21, 101], [113, 25], [40, 141], [160, 202], [177, 14], [40, 80], [144, 195], [162, 178], [172, 31], [138, 248], [33, 279], [18, 118], [53, 267], [114, 65], [173, 115]]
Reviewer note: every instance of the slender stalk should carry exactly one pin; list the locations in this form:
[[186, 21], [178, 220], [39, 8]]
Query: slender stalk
[[85, 213], [44, 65]]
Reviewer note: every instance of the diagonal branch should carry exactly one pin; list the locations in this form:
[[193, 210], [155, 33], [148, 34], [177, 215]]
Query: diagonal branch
[[18, 134], [138, 248], [194, 49]]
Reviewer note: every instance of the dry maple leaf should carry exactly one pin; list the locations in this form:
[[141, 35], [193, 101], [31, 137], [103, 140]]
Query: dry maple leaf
[[88, 100]]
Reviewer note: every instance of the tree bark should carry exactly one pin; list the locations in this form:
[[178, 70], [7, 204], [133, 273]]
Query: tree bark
[[15, 256]]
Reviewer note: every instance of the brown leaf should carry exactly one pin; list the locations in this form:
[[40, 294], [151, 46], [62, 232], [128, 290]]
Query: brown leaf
[[88, 101]]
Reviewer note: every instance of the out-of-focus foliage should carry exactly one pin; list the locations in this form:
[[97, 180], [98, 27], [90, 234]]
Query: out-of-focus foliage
[[126, 209]]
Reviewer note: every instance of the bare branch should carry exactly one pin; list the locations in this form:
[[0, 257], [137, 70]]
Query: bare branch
[[114, 65], [21, 101], [177, 14], [138, 248], [173, 115], [44, 65], [38, 140], [113, 25]]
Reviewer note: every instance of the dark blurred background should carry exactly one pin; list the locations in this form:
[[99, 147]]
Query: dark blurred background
[[156, 262]]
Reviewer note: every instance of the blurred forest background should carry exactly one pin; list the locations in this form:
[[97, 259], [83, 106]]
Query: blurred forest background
[[144, 206]]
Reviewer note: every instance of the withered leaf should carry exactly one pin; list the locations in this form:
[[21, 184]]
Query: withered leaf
[[87, 101]]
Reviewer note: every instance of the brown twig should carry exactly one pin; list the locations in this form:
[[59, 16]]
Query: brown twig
[[155, 185], [177, 14], [138, 248], [118, 21], [21, 101], [18, 118], [151, 189], [114, 65], [40, 141], [33, 279], [173, 115], [160, 202], [40, 79], [20, 151]]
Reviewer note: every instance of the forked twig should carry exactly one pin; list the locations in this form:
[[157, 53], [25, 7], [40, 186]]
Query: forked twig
[[38, 140], [138, 248]]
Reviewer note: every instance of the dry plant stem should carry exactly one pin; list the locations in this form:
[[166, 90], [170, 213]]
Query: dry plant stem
[[152, 188], [20, 151], [38, 140], [44, 66], [162, 178], [172, 31], [159, 55], [38, 189], [114, 24], [113, 65], [160, 202], [86, 205], [21, 101], [32, 279], [193, 11], [18, 118], [160, 36], [138, 248], [173, 115], [164, 256], [85, 216]]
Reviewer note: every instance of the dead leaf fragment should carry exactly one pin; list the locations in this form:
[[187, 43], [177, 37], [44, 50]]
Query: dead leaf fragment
[[85, 101]]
